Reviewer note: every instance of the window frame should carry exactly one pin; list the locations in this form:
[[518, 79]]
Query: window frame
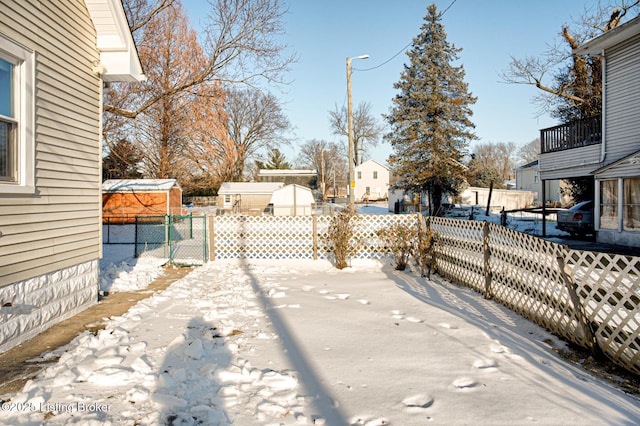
[[24, 113], [630, 208], [609, 200]]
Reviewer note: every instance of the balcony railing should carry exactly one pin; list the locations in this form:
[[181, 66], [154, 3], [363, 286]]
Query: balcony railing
[[583, 132]]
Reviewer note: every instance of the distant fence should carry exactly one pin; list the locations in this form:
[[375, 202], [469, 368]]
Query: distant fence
[[291, 237]]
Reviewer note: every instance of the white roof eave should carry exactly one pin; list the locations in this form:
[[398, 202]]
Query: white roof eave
[[596, 45], [119, 59]]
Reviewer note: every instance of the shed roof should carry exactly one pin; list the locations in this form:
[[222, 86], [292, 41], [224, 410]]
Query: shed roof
[[285, 195], [287, 172], [139, 185], [249, 187]]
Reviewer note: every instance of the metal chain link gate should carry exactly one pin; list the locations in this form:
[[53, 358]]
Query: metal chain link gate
[[181, 239]]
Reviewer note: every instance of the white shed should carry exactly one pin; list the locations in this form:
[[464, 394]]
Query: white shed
[[292, 200]]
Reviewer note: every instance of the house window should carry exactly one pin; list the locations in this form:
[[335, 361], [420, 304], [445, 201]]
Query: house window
[[16, 118], [609, 204], [227, 198], [375, 174], [631, 204], [359, 175], [8, 123]]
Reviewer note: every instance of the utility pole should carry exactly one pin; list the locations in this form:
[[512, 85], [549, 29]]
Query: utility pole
[[352, 181]]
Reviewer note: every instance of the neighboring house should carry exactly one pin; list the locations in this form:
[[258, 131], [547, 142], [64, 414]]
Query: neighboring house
[[124, 199], [54, 58], [246, 197], [528, 179], [292, 200], [371, 181], [302, 177], [606, 148]]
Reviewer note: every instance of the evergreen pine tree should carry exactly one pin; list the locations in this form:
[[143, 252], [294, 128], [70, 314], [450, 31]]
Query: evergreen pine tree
[[276, 161], [122, 162], [430, 117]]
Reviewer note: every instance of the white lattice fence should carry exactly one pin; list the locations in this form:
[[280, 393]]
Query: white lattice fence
[[293, 237], [526, 277], [459, 254], [262, 237], [610, 286], [524, 274]]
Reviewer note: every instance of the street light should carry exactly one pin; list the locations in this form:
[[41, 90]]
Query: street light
[[352, 182]]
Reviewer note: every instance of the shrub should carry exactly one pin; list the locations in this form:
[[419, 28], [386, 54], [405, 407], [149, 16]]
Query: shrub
[[339, 238], [424, 251], [399, 240]]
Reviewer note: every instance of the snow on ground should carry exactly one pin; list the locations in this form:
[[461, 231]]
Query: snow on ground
[[251, 342], [278, 342]]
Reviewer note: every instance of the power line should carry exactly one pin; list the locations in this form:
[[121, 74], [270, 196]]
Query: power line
[[404, 48]]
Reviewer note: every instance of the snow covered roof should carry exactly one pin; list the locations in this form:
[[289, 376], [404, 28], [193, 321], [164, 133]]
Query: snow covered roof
[[249, 187], [285, 195], [139, 185], [286, 172]]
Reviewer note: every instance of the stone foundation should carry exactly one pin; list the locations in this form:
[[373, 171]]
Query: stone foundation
[[40, 302]]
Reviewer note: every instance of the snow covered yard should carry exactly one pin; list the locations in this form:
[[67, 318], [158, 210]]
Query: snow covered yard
[[299, 342]]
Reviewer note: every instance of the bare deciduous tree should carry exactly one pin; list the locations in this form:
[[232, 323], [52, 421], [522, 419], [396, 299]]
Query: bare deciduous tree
[[329, 159], [255, 122], [240, 46], [529, 152], [570, 84], [366, 129]]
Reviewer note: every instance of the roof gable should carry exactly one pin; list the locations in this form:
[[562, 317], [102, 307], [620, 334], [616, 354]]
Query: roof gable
[[119, 59], [372, 162], [609, 39]]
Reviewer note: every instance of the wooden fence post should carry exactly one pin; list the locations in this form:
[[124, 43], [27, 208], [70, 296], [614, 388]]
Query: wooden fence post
[[488, 293], [212, 253], [315, 237], [578, 308]]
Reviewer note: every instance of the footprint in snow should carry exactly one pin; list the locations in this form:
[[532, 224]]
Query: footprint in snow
[[420, 400], [370, 421], [482, 364], [363, 301], [497, 348], [464, 383], [414, 319], [449, 326]]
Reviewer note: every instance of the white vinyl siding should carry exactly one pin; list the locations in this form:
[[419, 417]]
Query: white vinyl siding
[[622, 105], [58, 225]]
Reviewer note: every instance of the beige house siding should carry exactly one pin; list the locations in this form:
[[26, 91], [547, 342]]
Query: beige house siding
[[59, 225]]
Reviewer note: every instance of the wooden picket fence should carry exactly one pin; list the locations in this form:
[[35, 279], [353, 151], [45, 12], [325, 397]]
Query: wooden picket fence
[[588, 298]]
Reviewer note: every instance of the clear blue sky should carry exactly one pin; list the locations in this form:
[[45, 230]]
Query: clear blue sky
[[324, 33]]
